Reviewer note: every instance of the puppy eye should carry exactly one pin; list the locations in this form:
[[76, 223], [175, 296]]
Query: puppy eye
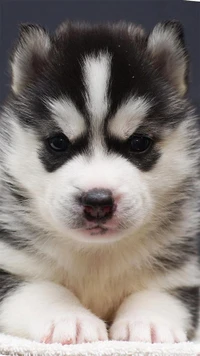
[[139, 143], [59, 143]]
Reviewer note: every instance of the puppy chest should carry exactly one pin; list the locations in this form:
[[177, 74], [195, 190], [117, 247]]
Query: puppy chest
[[102, 294]]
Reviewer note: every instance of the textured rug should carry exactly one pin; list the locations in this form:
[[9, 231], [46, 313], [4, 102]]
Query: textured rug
[[16, 347]]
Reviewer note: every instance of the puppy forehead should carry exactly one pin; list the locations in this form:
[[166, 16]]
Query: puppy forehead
[[98, 86], [98, 68], [96, 76]]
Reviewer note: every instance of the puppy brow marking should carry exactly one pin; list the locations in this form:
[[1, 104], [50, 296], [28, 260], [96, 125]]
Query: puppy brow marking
[[67, 117], [129, 117], [96, 77]]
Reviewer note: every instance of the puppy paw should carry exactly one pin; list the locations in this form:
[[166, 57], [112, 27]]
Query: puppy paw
[[73, 329], [144, 330]]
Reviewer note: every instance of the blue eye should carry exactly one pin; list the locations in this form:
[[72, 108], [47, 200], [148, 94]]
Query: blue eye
[[139, 143], [59, 143]]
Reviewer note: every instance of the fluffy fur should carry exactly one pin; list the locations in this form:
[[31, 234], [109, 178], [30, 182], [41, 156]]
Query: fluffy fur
[[135, 276]]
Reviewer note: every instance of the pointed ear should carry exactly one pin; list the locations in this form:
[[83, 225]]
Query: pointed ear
[[29, 56], [167, 48]]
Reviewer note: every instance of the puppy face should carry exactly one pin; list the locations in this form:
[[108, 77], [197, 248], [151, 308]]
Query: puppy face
[[99, 128]]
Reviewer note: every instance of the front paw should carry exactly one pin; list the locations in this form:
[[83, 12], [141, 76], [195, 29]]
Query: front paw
[[72, 328], [154, 330]]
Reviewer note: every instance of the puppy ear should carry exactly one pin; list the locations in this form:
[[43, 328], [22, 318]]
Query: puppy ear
[[167, 48], [29, 56]]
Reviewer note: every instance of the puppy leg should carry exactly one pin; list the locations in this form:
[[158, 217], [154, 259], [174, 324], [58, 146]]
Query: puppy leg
[[151, 316], [46, 312]]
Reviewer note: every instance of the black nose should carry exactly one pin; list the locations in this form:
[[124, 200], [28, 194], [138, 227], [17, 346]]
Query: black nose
[[98, 204]]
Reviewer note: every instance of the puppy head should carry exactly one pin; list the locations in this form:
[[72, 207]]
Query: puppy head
[[99, 126]]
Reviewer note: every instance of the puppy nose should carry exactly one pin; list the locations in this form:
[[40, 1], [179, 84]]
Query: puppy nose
[[98, 204]]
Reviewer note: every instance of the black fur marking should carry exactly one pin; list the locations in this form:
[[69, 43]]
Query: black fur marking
[[176, 255], [144, 161], [12, 238], [190, 297], [18, 193], [53, 160], [19, 196], [8, 284]]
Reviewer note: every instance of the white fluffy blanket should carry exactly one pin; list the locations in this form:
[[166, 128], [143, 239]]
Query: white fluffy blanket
[[15, 346]]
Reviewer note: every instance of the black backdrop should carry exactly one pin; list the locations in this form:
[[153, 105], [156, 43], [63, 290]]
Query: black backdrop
[[145, 12]]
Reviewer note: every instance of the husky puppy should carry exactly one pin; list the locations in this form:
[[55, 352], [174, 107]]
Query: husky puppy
[[99, 187]]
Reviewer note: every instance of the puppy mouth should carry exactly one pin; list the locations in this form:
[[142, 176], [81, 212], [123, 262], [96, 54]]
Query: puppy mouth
[[97, 230]]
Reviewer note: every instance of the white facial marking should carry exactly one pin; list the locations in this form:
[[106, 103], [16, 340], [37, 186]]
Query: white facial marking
[[129, 117], [67, 116], [96, 76]]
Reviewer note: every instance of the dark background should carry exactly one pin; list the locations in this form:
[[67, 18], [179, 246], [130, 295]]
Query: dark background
[[145, 12]]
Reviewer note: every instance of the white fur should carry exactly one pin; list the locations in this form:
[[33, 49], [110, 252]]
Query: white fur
[[150, 316], [128, 117], [67, 117], [18, 161], [55, 315], [96, 77]]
